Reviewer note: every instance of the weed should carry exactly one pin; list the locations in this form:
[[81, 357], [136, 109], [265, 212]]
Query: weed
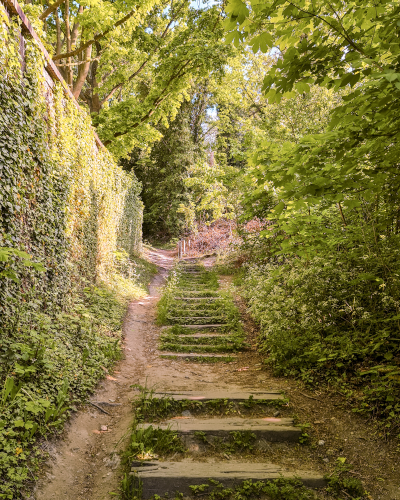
[[345, 324], [238, 441], [304, 437], [151, 408], [340, 482], [279, 489], [131, 487], [149, 442]]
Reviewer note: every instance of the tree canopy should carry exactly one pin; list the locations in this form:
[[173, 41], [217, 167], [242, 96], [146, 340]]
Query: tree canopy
[[132, 63]]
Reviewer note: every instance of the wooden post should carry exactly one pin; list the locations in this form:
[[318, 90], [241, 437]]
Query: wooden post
[[184, 247]]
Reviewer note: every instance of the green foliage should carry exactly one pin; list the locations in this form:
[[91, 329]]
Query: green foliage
[[321, 320], [150, 442], [65, 206], [45, 372], [131, 487], [238, 442], [63, 203], [132, 63], [326, 292], [278, 489], [339, 482], [162, 172]]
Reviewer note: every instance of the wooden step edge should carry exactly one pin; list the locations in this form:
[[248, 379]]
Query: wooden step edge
[[218, 394], [204, 335], [197, 298], [186, 355], [181, 318], [200, 327], [267, 432], [199, 348], [161, 478]]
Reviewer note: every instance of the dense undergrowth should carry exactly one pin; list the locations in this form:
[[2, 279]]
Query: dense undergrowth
[[51, 361], [332, 321]]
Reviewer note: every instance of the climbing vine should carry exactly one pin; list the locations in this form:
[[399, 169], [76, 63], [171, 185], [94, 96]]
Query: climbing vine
[[64, 201], [69, 220]]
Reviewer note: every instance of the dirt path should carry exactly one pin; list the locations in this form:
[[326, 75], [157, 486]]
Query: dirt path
[[85, 466]]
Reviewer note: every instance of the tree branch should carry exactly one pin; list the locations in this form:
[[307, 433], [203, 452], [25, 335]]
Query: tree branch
[[75, 28], [83, 71], [96, 38], [50, 9], [156, 103], [143, 65]]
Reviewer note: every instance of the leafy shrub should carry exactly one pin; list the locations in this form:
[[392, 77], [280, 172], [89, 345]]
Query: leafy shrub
[[332, 319], [46, 371]]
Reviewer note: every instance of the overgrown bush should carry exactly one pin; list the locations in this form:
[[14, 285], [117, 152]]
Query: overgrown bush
[[334, 319], [46, 371]]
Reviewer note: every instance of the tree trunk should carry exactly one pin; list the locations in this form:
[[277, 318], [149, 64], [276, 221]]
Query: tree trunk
[[83, 70], [94, 102], [68, 69]]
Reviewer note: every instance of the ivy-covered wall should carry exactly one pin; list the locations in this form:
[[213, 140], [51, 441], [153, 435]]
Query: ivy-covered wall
[[62, 199]]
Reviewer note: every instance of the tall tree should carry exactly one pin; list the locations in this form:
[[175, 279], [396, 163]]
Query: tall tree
[[133, 62], [162, 172]]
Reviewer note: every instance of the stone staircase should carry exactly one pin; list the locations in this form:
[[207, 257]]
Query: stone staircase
[[209, 330], [205, 327]]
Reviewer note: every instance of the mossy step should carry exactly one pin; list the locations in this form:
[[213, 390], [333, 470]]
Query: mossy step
[[256, 395], [193, 313], [217, 340], [194, 292], [169, 478], [196, 348], [186, 309], [197, 298], [222, 336], [196, 320], [196, 280], [184, 287], [199, 327], [193, 356], [269, 428], [172, 315]]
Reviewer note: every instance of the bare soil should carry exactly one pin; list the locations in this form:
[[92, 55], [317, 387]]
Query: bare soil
[[84, 464]]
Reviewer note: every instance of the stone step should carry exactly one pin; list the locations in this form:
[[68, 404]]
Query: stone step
[[196, 355], [161, 478], [197, 292], [197, 348], [195, 319], [201, 327], [197, 298], [221, 336], [268, 429], [234, 397], [193, 310]]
